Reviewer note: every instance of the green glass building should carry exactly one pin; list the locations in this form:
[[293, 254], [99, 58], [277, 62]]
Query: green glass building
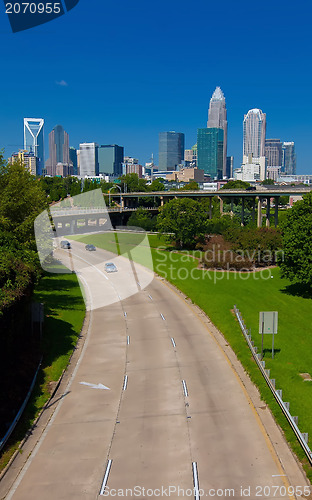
[[210, 143]]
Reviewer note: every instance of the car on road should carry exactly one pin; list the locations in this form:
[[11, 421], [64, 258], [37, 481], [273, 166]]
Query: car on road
[[90, 247], [65, 244], [110, 267]]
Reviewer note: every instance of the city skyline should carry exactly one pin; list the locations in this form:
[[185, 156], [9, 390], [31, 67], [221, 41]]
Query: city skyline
[[140, 91]]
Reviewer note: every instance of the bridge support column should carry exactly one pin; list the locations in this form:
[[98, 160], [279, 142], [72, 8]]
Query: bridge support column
[[253, 212], [221, 205], [122, 203], [73, 225], [267, 222], [243, 211], [276, 211], [259, 215], [161, 201]]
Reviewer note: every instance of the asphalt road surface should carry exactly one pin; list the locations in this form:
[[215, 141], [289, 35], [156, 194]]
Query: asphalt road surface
[[175, 415]]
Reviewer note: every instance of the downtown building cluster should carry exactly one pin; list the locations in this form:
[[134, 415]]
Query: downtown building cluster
[[262, 158]]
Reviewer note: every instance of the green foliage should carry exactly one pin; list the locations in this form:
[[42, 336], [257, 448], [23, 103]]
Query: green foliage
[[297, 241], [144, 219], [131, 183], [185, 219], [190, 186], [267, 182], [236, 185], [157, 185]]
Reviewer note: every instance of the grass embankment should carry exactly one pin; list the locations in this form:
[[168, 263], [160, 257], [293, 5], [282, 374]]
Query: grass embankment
[[217, 292], [64, 314]]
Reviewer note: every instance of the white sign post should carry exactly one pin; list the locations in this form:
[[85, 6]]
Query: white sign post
[[268, 325]]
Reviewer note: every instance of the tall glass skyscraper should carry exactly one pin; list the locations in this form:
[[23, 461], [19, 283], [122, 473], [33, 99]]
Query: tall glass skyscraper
[[217, 119], [210, 151], [289, 158], [171, 150], [254, 133], [34, 139], [58, 148], [110, 158], [273, 152]]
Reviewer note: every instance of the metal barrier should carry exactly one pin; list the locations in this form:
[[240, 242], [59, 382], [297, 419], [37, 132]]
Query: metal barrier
[[293, 421], [22, 408]]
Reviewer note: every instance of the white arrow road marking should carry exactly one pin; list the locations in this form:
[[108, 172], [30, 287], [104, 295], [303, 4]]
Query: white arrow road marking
[[95, 386]]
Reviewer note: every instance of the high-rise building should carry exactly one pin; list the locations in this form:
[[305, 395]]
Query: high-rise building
[[34, 139], [289, 158], [217, 119], [273, 152], [88, 159], [171, 150], [229, 166], [58, 149], [254, 133], [29, 160], [210, 151], [111, 158], [73, 159]]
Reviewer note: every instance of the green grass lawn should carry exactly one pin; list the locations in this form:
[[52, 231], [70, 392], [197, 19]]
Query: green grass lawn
[[217, 292], [64, 310]]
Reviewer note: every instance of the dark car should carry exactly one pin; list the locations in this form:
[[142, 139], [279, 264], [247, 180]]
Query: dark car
[[65, 244], [90, 247]]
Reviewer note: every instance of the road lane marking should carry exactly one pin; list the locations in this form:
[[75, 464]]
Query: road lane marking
[[195, 479], [162, 317], [128, 340], [266, 436], [150, 297], [125, 383], [173, 342], [184, 388], [109, 464], [125, 314], [95, 386]]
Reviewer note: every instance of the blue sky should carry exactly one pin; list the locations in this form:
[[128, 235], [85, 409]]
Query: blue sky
[[122, 72]]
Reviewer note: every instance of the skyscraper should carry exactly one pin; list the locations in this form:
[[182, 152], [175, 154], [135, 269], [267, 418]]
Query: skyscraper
[[210, 151], [273, 152], [73, 159], [88, 159], [58, 149], [289, 158], [254, 133], [171, 150], [217, 119], [34, 139], [110, 158]]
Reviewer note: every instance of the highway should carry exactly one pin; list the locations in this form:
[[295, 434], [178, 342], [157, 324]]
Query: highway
[[175, 409]]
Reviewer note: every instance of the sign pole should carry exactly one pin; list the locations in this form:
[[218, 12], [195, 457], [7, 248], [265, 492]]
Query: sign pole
[[262, 338]]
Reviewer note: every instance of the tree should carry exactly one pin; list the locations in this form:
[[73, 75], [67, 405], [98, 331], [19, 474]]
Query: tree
[[142, 218], [157, 185], [185, 219], [132, 183], [296, 263], [236, 185], [267, 182], [190, 186]]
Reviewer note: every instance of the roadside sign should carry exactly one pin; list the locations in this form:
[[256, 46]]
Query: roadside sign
[[268, 321]]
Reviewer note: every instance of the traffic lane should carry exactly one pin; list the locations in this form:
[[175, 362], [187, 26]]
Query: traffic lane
[[69, 461], [150, 448], [224, 427]]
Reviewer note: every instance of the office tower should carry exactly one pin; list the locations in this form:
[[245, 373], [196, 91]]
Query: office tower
[[253, 169], [29, 160], [210, 151], [273, 152], [217, 119], [254, 133], [229, 166], [289, 158], [171, 150], [73, 159], [88, 158], [58, 149], [34, 139], [110, 158]]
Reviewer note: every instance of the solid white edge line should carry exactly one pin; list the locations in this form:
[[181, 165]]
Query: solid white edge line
[[109, 464], [125, 383], [173, 342], [184, 388], [195, 479]]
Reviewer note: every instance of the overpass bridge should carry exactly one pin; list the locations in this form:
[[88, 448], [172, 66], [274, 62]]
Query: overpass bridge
[[74, 219]]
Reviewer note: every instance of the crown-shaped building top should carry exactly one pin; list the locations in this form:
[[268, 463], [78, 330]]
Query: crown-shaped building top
[[218, 95]]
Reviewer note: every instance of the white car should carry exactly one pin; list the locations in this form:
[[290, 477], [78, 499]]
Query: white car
[[110, 267]]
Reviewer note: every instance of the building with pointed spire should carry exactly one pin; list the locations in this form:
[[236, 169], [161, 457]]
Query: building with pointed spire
[[217, 118]]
